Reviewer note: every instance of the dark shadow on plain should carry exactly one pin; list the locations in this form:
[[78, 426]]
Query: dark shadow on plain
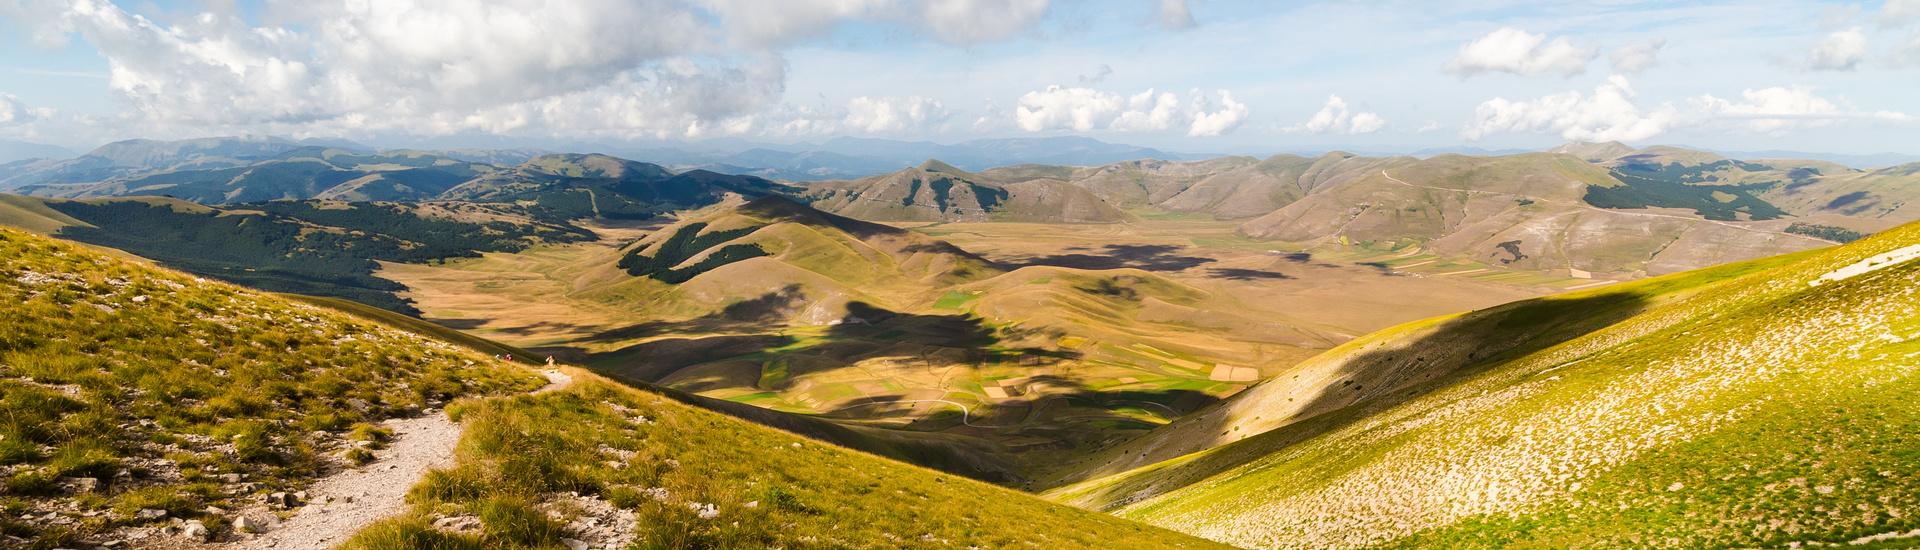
[[1149, 257], [1381, 268], [1242, 274]]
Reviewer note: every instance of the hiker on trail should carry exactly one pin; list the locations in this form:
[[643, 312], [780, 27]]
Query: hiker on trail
[[550, 362], [509, 358]]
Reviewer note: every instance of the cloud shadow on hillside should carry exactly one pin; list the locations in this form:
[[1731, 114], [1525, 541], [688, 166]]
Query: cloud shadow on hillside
[[866, 332]]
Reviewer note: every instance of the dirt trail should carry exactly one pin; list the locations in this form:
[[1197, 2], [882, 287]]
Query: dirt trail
[[354, 499]]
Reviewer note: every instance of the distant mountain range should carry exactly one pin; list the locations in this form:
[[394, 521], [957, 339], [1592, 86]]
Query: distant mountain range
[[1604, 209], [11, 151]]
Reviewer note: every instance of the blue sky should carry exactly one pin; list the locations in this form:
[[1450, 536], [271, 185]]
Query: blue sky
[[1224, 76]]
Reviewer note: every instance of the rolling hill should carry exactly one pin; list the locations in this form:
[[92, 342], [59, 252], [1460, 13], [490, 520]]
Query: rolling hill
[[571, 186], [171, 414], [936, 191], [129, 388], [308, 247], [1530, 211], [1743, 405]]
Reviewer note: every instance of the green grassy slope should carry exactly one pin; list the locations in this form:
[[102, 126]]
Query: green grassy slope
[[666, 462], [33, 214], [1757, 411], [1368, 374], [150, 385]]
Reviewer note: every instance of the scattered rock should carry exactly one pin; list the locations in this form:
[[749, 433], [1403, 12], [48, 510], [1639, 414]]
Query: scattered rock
[[575, 544], [196, 531], [284, 500], [79, 484], [249, 525], [149, 514]]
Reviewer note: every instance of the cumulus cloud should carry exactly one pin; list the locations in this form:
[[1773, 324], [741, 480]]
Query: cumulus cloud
[[992, 117], [13, 112], [971, 21], [1899, 12], [762, 23], [1610, 113], [1176, 14], [887, 115], [1607, 114], [1081, 109], [1771, 110], [1511, 50], [659, 68], [1210, 121], [1839, 51], [1638, 56], [1335, 117]]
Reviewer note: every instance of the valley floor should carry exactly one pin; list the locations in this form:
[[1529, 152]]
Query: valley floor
[[1265, 307]]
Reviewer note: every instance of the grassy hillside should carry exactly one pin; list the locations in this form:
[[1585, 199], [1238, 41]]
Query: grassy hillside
[[560, 188], [690, 478], [125, 387], [1741, 406], [935, 191], [306, 247], [1532, 212]]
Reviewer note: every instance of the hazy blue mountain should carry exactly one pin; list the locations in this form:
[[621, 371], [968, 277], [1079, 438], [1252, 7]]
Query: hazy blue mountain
[[13, 150]]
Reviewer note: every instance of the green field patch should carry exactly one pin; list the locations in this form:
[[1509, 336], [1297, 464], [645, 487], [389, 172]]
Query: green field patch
[[954, 299]]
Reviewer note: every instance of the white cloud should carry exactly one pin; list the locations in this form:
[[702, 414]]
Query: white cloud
[[1086, 109], [971, 21], [992, 118], [764, 23], [1057, 108], [1208, 123], [1430, 126], [1335, 118], [757, 22], [1608, 114], [888, 115], [1638, 56], [1176, 14], [1771, 110], [1515, 51], [1899, 12], [656, 68], [13, 112], [1148, 112], [1907, 55], [1839, 51]]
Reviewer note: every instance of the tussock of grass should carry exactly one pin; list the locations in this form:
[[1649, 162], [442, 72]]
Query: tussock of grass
[[668, 462], [157, 385]]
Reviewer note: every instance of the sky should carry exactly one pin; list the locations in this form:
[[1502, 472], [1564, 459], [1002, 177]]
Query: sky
[[1184, 75]]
